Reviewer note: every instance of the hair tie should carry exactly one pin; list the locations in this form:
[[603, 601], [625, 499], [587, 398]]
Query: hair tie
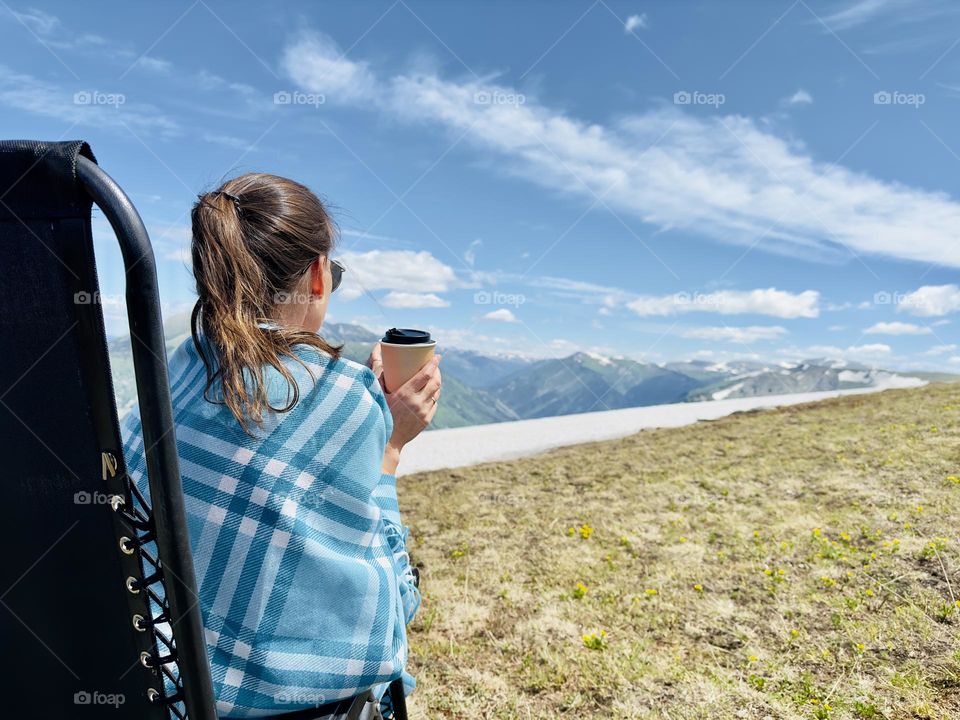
[[232, 198]]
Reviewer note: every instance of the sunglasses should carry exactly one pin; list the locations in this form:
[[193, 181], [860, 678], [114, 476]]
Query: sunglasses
[[336, 273]]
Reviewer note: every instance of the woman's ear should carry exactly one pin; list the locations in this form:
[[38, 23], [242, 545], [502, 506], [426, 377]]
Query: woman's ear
[[316, 277]]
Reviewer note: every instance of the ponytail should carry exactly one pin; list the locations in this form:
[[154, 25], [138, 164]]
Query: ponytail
[[253, 240]]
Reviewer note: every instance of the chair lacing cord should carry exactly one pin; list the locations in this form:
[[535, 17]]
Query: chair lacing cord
[[135, 585], [143, 624], [136, 515], [153, 660], [157, 698]]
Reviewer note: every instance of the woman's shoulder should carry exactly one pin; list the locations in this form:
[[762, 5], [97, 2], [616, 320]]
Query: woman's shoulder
[[342, 371]]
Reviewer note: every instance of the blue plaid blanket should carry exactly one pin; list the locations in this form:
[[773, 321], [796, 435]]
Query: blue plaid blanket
[[305, 584]]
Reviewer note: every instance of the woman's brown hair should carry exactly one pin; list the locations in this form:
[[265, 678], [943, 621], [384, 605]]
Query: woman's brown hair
[[254, 238]]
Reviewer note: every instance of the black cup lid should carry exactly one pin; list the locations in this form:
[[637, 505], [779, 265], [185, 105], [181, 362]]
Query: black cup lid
[[406, 336]]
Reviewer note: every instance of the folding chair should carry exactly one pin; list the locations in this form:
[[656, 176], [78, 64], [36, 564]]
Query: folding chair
[[83, 553]]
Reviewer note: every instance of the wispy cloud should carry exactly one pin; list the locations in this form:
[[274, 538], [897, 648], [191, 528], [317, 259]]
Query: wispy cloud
[[861, 12], [396, 299], [800, 97], [897, 328], [751, 334], [724, 178], [769, 301], [51, 31], [85, 106]]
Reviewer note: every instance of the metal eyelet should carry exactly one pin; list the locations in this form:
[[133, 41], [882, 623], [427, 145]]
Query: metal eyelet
[[152, 695], [131, 581], [138, 623], [126, 546], [145, 659], [116, 502]]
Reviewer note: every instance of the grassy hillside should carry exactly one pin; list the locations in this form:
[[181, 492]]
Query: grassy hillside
[[796, 563]]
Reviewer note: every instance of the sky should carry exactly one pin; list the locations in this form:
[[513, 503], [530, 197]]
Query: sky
[[773, 180]]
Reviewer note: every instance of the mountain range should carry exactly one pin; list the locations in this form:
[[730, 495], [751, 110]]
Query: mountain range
[[481, 388]]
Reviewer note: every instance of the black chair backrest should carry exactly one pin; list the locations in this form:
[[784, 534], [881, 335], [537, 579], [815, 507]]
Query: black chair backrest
[[71, 644]]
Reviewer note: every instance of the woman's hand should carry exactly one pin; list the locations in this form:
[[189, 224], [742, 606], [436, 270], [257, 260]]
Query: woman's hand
[[413, 406], [375, 363]]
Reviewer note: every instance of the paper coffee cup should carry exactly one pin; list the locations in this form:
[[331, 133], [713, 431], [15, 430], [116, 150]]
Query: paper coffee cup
[[404, 352]]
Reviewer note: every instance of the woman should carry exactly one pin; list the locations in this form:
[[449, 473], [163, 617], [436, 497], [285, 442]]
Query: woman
[[288, 454]]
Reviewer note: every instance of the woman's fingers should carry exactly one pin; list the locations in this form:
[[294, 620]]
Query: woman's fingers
[[419, 380], [431, 412], [375, 361]]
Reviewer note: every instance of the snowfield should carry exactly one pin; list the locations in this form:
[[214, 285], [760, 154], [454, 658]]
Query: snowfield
[[457, 447]]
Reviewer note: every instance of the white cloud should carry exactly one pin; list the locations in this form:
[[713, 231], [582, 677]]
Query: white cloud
[[859, 12], [725, 177], [750, 334], [800, 97], [33, 95], [931, 300], [897, 328], [501, 315], [940, 350], [955, 360], [635, 21], [405, 271], [869, 350], [396, 299], [315, 61], [39, 22], [157, 65], [470, 256], [55, 34], [769, 301]]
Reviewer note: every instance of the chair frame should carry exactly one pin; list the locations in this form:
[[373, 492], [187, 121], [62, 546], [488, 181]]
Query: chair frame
[[156, 415]]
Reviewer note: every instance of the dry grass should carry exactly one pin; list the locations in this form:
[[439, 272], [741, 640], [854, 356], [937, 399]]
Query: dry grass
[[797, 563]]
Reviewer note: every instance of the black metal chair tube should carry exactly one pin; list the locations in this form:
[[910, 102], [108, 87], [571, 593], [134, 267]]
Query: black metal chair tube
[[156, 412]]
